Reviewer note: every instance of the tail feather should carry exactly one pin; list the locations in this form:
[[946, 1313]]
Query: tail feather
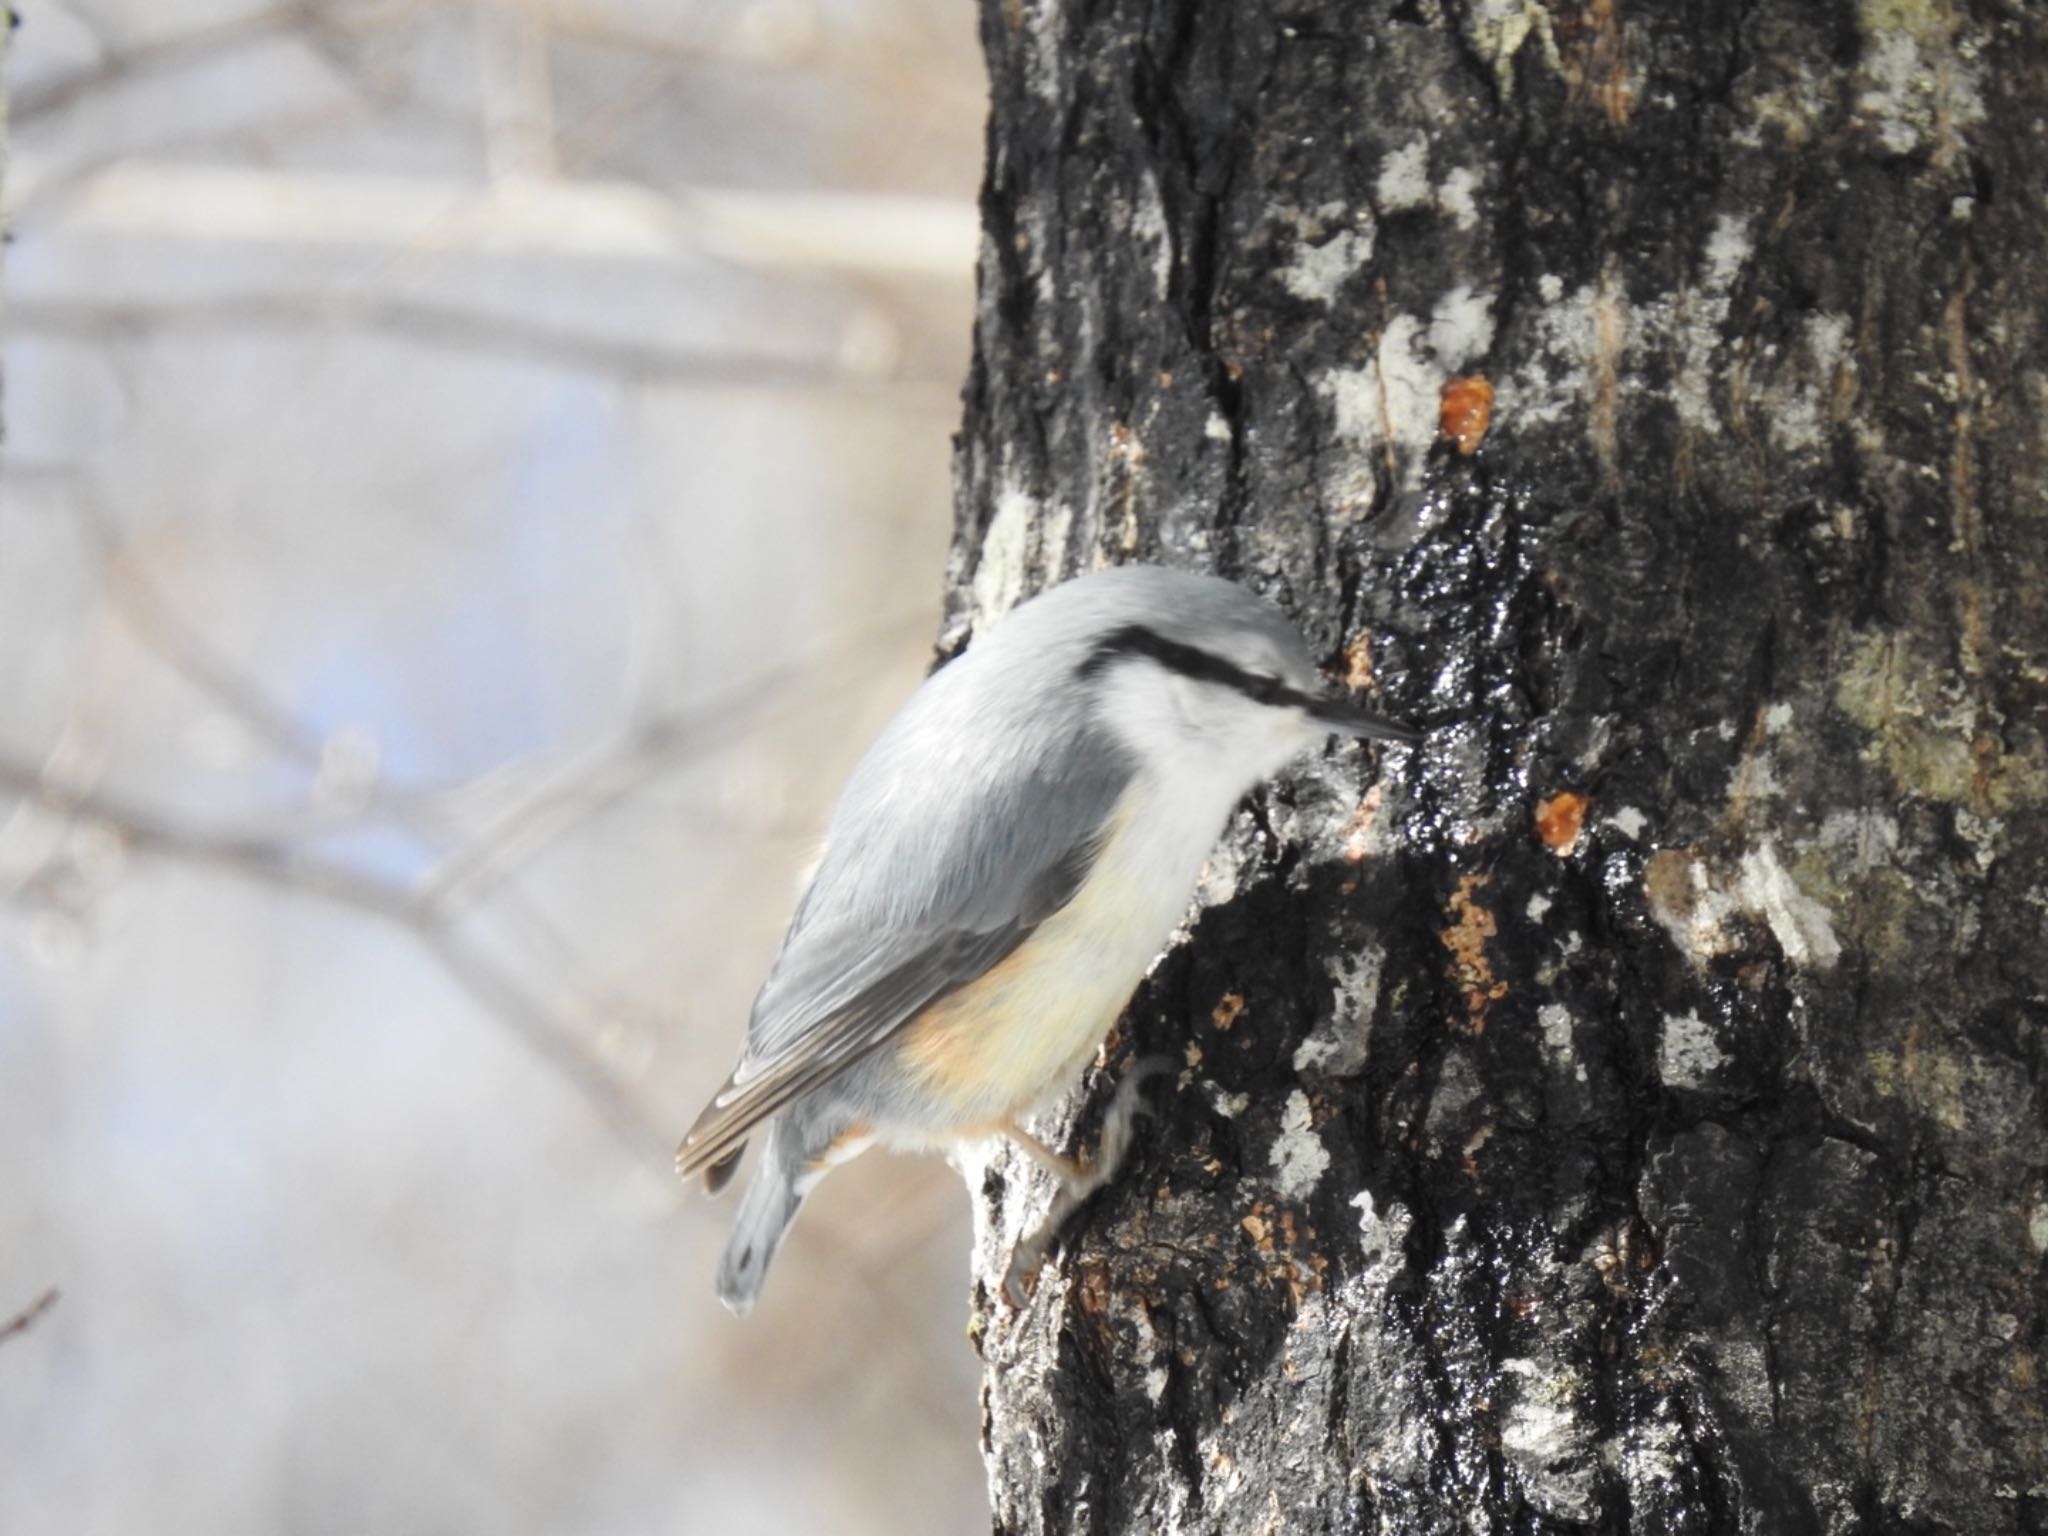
[[766, 1210], [720, 1173]]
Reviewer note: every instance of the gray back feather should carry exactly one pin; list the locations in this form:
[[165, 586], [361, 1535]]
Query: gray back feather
[[970, 821]]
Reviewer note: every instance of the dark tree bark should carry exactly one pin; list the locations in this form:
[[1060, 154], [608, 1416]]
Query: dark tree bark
[[1625, 1112]]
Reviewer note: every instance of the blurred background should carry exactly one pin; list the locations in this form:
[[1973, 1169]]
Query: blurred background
[[475, 478]]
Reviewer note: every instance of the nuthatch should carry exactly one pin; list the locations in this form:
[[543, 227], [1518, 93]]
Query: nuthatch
[[1002, 867]]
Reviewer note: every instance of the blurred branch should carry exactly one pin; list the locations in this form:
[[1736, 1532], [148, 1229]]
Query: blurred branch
[[518, 87], [291, 869], [907, 236], [181, 645], [173, 52], [29, 1315], [586, 784], [600, 778], [480, 863], [456, 330], [157, 623]]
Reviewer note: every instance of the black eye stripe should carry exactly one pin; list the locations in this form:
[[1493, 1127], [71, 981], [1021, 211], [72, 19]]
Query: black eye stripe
[[1189, 661]]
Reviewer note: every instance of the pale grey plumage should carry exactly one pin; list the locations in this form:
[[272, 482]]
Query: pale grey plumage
[[974, 817]]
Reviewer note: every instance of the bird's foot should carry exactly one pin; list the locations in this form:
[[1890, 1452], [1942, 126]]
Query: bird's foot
[[1079, 1181]]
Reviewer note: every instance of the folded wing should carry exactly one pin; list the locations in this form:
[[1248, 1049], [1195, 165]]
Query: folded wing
[[861, 961]]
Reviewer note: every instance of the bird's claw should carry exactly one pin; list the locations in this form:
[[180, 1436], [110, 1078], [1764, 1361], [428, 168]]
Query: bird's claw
[[1119, 1121], [1026, 1259]]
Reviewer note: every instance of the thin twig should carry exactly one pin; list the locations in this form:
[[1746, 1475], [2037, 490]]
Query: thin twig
[[596, 782], [148, 832], [458, 330], [29, 1316], [179, 48]]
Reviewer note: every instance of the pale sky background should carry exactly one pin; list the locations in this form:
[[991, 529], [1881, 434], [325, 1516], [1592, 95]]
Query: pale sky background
[[476, 476]]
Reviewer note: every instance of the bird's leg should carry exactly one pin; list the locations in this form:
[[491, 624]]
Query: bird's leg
[[1078, 1181], [1070, 1171]]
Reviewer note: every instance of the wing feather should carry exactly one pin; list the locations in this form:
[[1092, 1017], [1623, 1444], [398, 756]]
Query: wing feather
[[846, 981]]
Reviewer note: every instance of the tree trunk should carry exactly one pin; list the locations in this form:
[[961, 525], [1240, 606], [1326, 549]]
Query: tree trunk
[[1625, 1111]]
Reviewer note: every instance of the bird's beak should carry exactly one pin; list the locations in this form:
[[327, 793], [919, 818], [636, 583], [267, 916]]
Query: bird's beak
[[1348, 719]]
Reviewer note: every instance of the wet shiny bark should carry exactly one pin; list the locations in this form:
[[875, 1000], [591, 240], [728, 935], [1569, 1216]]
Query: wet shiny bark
[[1624, 1112]]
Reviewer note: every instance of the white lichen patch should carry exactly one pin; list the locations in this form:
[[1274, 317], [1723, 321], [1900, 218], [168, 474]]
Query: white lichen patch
[[1354, 396], [1916, 80], [1458, 197], [1692, 909], [1223, 870], [1827, 343], [1391, 403], [1404, 178], [1025, 540], [1460, 327], [1699, 315], [1024, 1198], [1984, 834], [1555, 1020], [1629, 822], [2037, 1226], [1457, 1089], [1539, 904], [1650, 1454], [1320, 268], [1558, 373], [1005, 549], [1497, 29], [1381, 1233], [1545, 1438], [1053, 529], [1587, 342], [1228, 1105], [1866, 839], [1148, 225], [1798, 922], [1796, 406], [1699, 909], [1299, 1158], [1729, 246], [1687, 1051], [1795, 421], [1339, 1046], [1043, 60], [1754, 777]]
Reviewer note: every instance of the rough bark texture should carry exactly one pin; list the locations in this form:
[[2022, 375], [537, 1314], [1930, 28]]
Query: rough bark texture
[[1625, 1112]]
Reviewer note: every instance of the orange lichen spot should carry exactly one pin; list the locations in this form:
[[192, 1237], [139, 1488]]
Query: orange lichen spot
[[1468, 1157], [1560, 820], [1358, 663], [1463, 411], [1226, 1012], [1358, 831], [1470, 927]]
